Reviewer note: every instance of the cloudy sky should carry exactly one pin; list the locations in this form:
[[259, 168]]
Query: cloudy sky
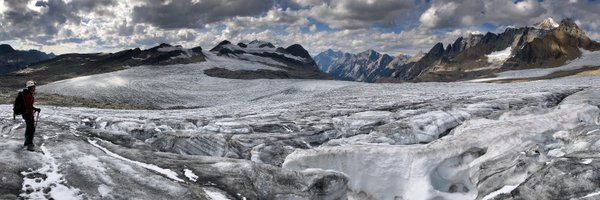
[[389, 26]]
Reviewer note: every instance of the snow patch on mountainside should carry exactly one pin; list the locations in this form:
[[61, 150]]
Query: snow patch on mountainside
[[256, 50], [499, 56], [253, 58]]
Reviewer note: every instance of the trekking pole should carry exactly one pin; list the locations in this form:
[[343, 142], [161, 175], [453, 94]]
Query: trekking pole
[[38, 118]]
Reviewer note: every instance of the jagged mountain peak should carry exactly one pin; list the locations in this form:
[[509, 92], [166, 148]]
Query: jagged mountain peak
[[365, 66], [326, 58], [547, 23], [331, 51], [370, 53], [260, 44], [165, 46], [570, 27], [5, 48], [437, 49], [568, 22], [224, 42], [298, 50], [221, 45]]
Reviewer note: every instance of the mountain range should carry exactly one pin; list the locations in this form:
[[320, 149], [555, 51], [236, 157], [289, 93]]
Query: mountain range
[[74, 65], [367, 66], [291, 62], [514, 49], [543, 45], [11, 59]]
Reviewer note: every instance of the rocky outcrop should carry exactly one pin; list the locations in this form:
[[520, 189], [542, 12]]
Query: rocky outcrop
[[555, 48], [462, 43], [298, 50]]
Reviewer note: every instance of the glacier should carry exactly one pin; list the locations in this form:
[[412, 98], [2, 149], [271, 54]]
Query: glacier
[[306, 139]]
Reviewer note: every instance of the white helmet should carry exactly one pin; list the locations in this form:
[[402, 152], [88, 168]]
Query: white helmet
[[30, 83]]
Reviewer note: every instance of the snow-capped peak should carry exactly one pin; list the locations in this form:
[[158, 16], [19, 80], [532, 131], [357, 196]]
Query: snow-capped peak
[[260, 44], [547, 23]]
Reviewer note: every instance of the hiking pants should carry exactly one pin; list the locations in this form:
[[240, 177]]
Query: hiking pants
[[29, 130]]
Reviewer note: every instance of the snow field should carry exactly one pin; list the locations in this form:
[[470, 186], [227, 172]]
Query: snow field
[[499, 56]]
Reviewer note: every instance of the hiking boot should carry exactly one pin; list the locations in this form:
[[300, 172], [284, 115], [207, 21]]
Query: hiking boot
[[30, 148]]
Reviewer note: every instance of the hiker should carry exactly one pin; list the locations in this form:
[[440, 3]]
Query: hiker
[[28, 115]]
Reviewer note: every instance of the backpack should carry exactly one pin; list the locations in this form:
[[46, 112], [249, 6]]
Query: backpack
[[19, 105]]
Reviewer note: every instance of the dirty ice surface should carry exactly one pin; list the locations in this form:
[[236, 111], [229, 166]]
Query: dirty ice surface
[[415, 140]]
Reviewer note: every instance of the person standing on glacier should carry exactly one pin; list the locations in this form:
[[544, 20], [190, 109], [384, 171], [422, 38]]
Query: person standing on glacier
[[28, 115]]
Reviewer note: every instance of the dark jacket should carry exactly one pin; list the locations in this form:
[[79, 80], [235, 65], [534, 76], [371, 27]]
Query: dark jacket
[[29, 100]]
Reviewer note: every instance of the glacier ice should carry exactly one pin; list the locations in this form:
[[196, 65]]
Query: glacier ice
[[307, 139]]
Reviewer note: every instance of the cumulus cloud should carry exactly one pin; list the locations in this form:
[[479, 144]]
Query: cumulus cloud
[[585, 12], [355, 14], [194, 14], [42, 19], [465, 13], [389, 26], [274, 17]]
